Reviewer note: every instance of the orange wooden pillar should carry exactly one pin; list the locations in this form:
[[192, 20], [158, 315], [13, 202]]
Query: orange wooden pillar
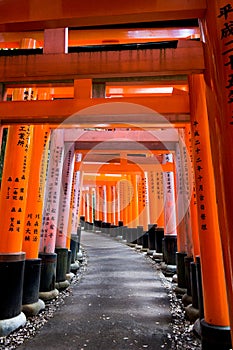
[[170, 229], [13, 201], [140, 200], [50, 216], [218, 48], [63, 236], [109, 203], [129, 201], [101, 205], [184, 255], [75, 200], [145, 201], [113, 206], [135, 214], [159, 199], [90, 204], [33, 220], [215, 325], [193, 196]]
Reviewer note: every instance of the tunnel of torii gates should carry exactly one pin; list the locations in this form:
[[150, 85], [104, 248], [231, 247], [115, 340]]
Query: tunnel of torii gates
[[128, 166]]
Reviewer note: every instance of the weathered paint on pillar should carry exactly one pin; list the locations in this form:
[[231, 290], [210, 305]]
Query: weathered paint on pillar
[[14, 185], [218, 54], [65, 196], [213, 278], [35, 192], [51, 206]]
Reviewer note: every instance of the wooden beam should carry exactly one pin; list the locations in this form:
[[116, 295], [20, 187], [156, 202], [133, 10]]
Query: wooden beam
[[116, 146], [40, 14], [97, 111], [119, 169], [77, 135], [187, 58]]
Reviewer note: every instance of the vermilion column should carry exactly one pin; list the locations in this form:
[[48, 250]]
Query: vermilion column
[[129, 201], [216, 317], [145, 201], [50, 216], [160, 199], [113, 207], [63, 235], [140, 199], [33, 220], [193, 197], [65, 196], [218, 50], [13, 201], [36, 188], [170, 229], [135, 213], [52, 196], [109, 203], [184, 186], [75, 201]]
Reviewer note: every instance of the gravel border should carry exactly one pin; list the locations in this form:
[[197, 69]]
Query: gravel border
[[182, 336]]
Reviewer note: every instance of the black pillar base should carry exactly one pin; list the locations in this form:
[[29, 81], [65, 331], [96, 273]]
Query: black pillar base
[[145, 241], [32, 305], [11, 292], [31, 284], [159, 235], [48, 276], [199, 287], [215, 337], [170, 249], [151, 237], [181, 281], [68, 262], [73, 247], [61, 268], [11, 279], [139, 235], [194, 291]]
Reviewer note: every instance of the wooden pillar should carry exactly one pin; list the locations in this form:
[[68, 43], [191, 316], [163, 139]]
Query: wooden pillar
[[129, 201], [216, 316], [36, 189], [135, 213], [184, 184], [160, 199], [13, 201], [218, 54], [51, 206], [62, 237], [109, 203]]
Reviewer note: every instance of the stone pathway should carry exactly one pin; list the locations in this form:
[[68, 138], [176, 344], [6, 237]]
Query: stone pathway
[[120, 304]]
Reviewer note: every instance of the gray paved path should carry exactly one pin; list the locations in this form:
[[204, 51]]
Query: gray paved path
[[119, 304]]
